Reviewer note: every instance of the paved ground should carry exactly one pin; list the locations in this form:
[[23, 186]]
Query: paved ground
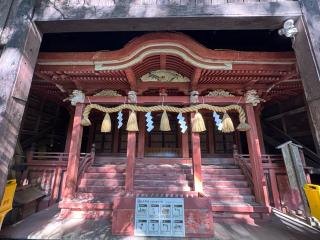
[[45, 225]]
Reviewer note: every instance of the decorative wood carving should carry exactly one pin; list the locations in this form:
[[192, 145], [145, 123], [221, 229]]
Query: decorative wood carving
[[77, 96], [164, 76], [253, 98], [108, 93], [220, 93]]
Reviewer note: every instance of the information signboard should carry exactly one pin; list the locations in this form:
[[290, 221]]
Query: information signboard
[[159, 217]]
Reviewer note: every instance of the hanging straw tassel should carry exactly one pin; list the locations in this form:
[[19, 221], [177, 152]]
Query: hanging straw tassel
[[165, 124], [227, 124], [198, 124], [132, 125], [85, 122], [243, 127], [106, 124]]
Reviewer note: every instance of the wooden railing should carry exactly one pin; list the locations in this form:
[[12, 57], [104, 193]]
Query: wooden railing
[[244, 163], [46, 171], [86, 162], [279, 191]]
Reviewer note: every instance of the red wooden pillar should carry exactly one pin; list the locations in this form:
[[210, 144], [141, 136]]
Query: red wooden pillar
[[259, 129], [69, 133], [196, 160], [131, 158], [142, 134], [259, 181], [74, 153], [185, 143]]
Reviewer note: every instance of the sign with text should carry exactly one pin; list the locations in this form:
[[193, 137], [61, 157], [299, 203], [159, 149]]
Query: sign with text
[[159, 217]]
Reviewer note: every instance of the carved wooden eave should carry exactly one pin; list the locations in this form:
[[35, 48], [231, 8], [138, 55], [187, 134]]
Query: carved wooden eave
[[207, 69]]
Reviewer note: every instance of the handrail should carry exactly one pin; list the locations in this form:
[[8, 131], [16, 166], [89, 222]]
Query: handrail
[[86, 162], [242, 161], [49, 156]]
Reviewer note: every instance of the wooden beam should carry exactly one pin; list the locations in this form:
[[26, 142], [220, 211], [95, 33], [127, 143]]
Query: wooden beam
[[288, 113], [74, 154], [202, 87], [149, 100], [156, 17], [131, 78]]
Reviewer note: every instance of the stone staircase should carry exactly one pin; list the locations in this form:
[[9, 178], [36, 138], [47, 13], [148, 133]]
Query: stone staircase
[[224, 184], [162, 178], [227, 187], [98, 187]]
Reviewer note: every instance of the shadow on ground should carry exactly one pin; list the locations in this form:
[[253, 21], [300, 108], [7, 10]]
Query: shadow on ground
[[46, 225]]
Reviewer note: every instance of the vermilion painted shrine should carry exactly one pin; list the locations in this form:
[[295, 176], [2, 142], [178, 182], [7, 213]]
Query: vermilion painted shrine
[[166, 115], [161, 70]]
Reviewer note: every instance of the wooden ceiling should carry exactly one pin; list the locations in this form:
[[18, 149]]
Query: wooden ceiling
[[273, 74]]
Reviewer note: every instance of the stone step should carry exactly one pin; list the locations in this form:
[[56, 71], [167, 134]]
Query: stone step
[[230, 190], [160, 176], [161, 171], [162, 166], [160, 194], [100, 189], [209, 177], [232, 198], [222, 184], [107, 175], [87, 182], [161, 183], [237, 207], [165, 189], [86, 195], [216, 161], [107, 169], [223, 171], [219, 166]]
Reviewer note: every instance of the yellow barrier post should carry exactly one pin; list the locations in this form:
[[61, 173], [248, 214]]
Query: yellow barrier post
[[313, 195], [7, 200]]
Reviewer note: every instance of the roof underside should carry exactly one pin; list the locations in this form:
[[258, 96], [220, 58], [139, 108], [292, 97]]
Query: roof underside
[[273, 74]]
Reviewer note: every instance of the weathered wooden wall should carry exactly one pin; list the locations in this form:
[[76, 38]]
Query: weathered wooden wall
[[307, 50], [21, 41], [94, 15]]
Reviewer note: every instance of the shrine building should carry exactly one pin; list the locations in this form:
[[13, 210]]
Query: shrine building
[[108, 103]]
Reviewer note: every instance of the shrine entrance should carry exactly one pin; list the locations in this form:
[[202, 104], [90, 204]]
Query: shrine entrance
[[163, 143]]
